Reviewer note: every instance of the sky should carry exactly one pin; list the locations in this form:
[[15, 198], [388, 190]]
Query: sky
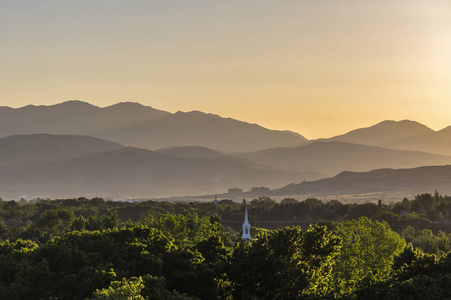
[[320, 68]]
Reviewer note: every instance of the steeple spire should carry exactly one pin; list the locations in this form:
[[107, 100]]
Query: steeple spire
[[246, 227]]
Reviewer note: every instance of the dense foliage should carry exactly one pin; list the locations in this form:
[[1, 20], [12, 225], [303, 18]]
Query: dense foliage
[[94, 249]]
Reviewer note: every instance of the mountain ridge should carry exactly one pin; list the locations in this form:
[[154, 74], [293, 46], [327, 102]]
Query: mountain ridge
[[408, 181], [72, 117], [133, 172], [400, 135], [201, 129], [332, 157], [18, 149]]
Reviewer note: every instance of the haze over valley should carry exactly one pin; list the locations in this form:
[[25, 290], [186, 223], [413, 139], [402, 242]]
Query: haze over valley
[[129, 150]]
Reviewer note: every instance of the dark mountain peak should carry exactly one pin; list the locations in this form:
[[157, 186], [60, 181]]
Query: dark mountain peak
[[293, 133], [345, 174], [63, 107], [209, 120], [195, 114], [31, 109], [407, 127], [192, 112], [403, 124], [385, 134], [127, 106], [402, 135], [197, 128], [70, 105], [74, 103], [135, 108], [74, 117]]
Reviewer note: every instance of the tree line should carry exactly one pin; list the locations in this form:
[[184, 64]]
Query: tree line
[[96, 249]]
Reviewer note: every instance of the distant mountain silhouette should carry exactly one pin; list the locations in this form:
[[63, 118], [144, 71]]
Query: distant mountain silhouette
[[136, 125], [404, 181], [201, 129], [435, 142], [384, 133], [404, 135], [74, 148], [18, 149], [73, 117], [330, 158], [133, 172]]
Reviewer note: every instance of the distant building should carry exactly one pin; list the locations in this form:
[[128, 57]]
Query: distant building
[[260, 191], [246, 227], [216, 200]]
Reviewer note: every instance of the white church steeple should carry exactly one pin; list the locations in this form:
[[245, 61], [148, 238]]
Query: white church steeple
[[246, 227]]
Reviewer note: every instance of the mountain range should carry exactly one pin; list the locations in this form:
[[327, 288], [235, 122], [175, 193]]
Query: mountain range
[[73, 117], [135, 125], [19, 149], [402, 181], [331, 158], [77, 149], [404, 135], [108, 169]]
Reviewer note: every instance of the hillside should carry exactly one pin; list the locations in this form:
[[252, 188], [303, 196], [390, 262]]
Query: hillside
[[132, 172], [330, 158], [201, 129], [404, 181], [18, 149]]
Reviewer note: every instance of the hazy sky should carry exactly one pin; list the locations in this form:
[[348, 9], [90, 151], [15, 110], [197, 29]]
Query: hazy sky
[[320, 68]]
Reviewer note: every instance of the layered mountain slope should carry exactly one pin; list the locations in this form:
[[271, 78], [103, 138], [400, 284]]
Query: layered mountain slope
[[192, 152], [132, 172], [331, 158], [383, 133], [404, 135], [436, 142], [405, 181], [73, 117], [201, 129], [18, 149]]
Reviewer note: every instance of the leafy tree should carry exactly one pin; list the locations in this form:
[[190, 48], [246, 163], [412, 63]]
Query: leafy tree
[[187, 230], [283, 264], [368, 251], [416, 276], [121, 290], [289, 201], [427, 241]]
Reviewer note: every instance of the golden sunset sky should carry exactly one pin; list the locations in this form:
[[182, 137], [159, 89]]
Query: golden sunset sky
[[319, 68]]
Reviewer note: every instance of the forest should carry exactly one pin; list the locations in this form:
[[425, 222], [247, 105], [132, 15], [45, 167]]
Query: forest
[[96, 249]]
